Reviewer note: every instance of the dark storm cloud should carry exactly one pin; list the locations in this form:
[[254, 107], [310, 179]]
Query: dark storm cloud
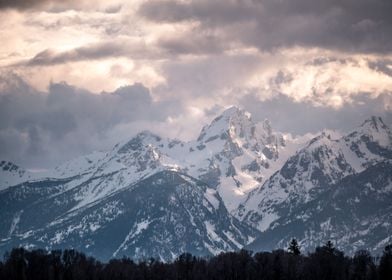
[[197, 42], [303, 117], [348, 25], [200, 43], [50, 57], [21, 4], [33, 4], [39, 129], [211, 12], [90, 52]]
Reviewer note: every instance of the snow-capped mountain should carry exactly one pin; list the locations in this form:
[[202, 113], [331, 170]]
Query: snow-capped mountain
[[161, 216], [228, 158], [321, 163], [355, 213], [314, 178], [234, 155], [156, 197]]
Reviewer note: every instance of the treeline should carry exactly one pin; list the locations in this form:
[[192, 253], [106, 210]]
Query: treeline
[[326, 262]]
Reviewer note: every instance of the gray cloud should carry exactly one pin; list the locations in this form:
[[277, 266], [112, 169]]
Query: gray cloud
[[114, 9], [54, 6], [90, 52], [303, 117], [21, 4], [197, 42], [207, 76], [36, 4], [349, 25], [383, 66], [222, 37], [44, 128], [50, 57]]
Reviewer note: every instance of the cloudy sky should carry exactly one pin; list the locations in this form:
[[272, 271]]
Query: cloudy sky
[[77, 76]]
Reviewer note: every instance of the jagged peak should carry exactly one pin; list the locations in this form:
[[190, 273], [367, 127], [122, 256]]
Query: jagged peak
[[233, 118], [146, 134], [231, 114], [373, 128], [374, 123], [143, 138], [324, 138], [235, 111]]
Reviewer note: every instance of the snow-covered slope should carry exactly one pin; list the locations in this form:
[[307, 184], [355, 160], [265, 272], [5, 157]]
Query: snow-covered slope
[[161, 216], [217, 192], [355, 213], [55, 199], [233, 155], [321, 163]]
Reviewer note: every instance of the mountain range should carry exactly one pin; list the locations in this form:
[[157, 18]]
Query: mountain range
[[240, 184]]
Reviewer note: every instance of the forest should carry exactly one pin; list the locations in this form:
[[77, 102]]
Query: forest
[[325, 263]]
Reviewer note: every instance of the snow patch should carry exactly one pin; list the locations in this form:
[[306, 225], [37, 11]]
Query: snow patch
[[136, 230]]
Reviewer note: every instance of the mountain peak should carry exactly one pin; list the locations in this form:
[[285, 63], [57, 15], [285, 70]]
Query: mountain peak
[[320, 140], [235, 111], [374, 130], [231, 114], [374, 123], [232, 121], [143, 138], [146, 134]]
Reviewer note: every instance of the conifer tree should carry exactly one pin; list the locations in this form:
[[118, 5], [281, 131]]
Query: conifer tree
[[294, 247], [329, 247]]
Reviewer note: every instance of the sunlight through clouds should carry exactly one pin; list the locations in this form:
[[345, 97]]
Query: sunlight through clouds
[[200, 56]]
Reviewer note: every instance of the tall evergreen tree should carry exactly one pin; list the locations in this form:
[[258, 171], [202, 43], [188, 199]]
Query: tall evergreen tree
[[294, 247], [328, 247]]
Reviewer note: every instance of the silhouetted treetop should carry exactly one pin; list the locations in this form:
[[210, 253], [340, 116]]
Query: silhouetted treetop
[[326, 262]]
